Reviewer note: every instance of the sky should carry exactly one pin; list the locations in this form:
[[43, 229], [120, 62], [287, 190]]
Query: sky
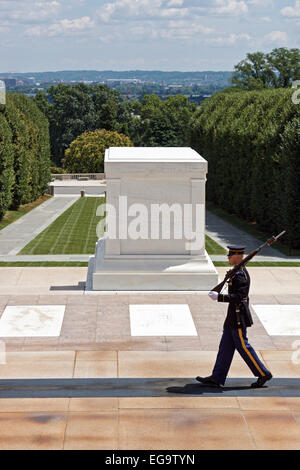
[[183, 35]]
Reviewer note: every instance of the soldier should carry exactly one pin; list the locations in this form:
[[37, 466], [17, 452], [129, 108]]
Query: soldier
[[235, 327]]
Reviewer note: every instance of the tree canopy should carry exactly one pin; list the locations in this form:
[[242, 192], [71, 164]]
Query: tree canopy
[[86, 153], [277, 69], [73, 110], [164, 122]]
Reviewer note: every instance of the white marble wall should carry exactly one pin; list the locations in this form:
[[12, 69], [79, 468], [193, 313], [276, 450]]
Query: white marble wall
[[155, 219]]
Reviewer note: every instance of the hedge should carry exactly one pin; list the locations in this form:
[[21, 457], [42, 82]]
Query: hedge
[[6, 165], [251, 143], [24, 152]]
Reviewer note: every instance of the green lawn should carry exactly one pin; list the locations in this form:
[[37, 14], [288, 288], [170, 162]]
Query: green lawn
[[263, 264], [73, 232], [212, 247], [12, 216], [30, 264], [85, 264]]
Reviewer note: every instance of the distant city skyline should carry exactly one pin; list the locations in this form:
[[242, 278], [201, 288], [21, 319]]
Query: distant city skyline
[[167, 35]]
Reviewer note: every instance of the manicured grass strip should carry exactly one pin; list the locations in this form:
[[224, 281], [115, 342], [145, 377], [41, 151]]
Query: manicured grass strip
[[12, 216], [43, 263], [85, 264], [212, 247], [262, 264], [73, 232], [250, 228]]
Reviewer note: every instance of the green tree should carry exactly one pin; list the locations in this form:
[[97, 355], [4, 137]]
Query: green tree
[[86, 153], [253, 73], [41, 101], [73, 110], [286, 66], [165, 122], [274, 70]]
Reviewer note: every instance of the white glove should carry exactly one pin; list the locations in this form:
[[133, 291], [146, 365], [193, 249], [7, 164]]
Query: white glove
[[213, 295]]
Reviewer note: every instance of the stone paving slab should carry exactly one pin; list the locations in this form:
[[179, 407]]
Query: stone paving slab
[[161, 424], [92, 383], [101, 320], [265, 281], [18, 234]]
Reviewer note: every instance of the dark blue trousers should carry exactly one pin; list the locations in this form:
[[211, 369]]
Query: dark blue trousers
[[236, 339]]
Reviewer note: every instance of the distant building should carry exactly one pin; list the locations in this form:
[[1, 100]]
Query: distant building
[[120, 81]]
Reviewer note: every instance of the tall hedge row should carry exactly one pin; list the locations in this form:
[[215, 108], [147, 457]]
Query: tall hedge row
[[251, 141], [6, 165], [24, 152]]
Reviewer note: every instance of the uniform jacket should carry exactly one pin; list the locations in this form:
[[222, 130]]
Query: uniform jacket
[[238, 290]]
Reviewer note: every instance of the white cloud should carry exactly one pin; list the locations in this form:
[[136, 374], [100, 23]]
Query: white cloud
[[34, 31], [184, 31], [70, 26], [292, 12], [142, 9], [173, 12], [175, 3], [173, 30], [229, 40], [63, 27], [4, 29], [130, 8], [230, 7], [25, 11], [193, 27], [124, 11], [261, 3], [277, 37]]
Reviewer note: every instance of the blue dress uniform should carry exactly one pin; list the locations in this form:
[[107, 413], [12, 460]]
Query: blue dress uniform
[[235, 328]]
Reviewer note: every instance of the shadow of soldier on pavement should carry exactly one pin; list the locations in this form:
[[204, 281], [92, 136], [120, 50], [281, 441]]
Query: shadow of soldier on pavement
[[198, 389]]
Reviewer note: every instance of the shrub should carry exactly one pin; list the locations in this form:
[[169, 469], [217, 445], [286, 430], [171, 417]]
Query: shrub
[[86, 153]]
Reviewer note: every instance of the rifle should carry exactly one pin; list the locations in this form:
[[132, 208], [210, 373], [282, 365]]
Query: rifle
[[233, 271]]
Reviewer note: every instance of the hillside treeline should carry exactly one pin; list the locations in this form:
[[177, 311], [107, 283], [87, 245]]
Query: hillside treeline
[[24, 152], [252, 143], [73, 110]]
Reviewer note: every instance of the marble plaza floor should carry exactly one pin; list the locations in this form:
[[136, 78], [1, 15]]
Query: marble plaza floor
[[99, 381]]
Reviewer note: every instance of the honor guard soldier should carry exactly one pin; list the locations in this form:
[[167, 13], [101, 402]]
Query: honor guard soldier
[[235, 327]]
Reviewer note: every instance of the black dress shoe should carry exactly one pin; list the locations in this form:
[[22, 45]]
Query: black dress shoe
[[210, 381], [261, 381]]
